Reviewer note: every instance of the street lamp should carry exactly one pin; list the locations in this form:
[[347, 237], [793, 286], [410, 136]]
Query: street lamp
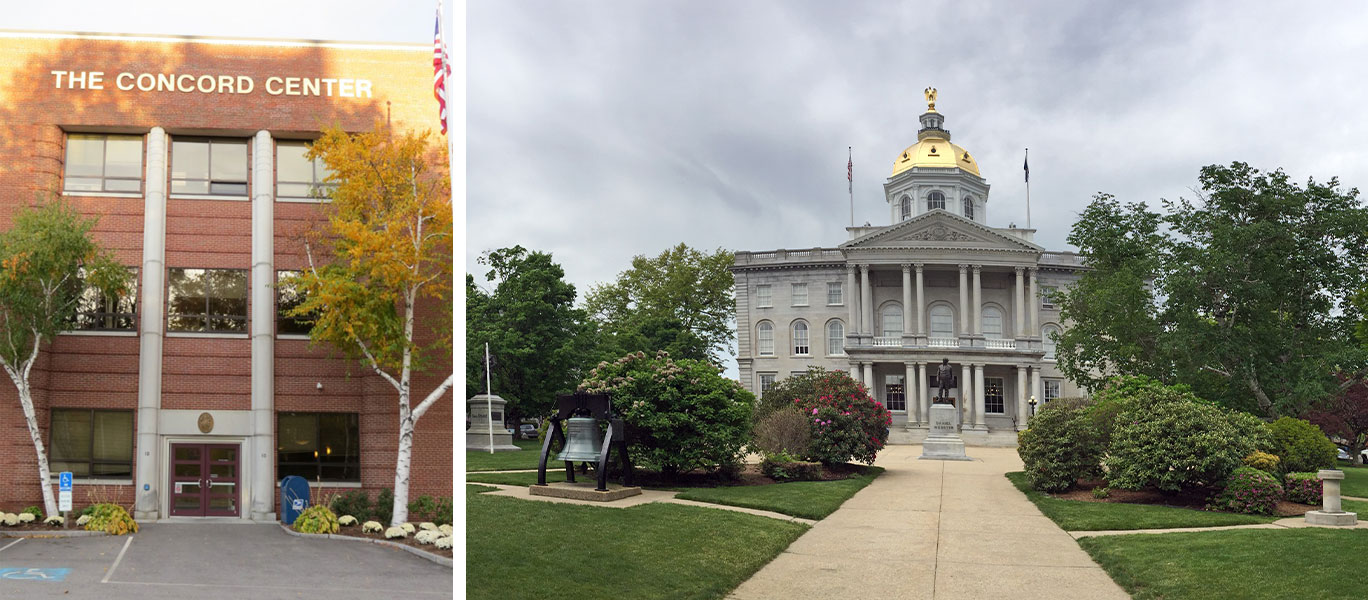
[[1033, 404]]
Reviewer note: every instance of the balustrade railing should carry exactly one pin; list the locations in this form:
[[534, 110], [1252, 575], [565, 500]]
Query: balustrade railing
[[993, 344], [888, 342], [940, 342]]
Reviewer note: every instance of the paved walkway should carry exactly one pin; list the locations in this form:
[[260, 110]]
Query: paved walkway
[[935, 529]]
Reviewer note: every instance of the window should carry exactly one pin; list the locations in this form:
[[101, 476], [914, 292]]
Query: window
[[92, 443], [764, 337], [969, 208], [942, 321], [800, 338], [299, 177], [935, 200], [766, 382], [206, 300], [762, 297], [216, 167], [906, 208], [103, 163], [835, 338], [894, 396], [1047, 334], [800, 294], [992, 395], [318, 446], [992, 322], [891, 320], [1052, 387], [288, 296], [1047, 295], [834, 294], [100, 311]]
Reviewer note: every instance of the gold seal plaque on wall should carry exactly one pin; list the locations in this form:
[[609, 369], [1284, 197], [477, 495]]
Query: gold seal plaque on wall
[[206, 422]]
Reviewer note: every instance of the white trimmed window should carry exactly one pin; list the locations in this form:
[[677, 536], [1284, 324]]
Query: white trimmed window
[[800, 297], [763, 298], [935, 200], [1052, 387], [800, 338], [103, 163], [764, 338], [992, 395], [298, 176], [835, 338], [1048, 293], [969, 208], [891, 321], [906, 208], [834, 296], [992, 322], [766, 381], [895, 396], [1047, 334], [209, 166], [942, 321]]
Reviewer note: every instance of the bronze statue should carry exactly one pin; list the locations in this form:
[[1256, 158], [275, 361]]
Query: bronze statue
[[945, 378]]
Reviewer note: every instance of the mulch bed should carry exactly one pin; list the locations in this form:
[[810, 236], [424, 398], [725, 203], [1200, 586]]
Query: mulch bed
[[1194, 500], [355, 531]]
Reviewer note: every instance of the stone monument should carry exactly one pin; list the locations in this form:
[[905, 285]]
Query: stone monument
[[1331, 512], [480, 408], [943, 441]]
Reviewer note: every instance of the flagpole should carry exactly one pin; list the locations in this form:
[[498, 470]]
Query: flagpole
[[850, 182], [489, 401], [1028, 187]]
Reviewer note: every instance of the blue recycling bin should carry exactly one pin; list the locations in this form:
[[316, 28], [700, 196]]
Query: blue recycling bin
[[294, 498]]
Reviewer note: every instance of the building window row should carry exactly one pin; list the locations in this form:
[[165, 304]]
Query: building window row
[[799, 334], [199, 166], [197, 301]]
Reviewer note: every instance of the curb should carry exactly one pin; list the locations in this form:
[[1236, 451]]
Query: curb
[[56, 533], [441, 560]]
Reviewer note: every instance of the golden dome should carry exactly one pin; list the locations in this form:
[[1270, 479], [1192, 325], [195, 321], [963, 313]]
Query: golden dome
[[935, 151]]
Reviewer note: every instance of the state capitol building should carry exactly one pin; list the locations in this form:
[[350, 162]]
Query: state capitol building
[[937, 282]]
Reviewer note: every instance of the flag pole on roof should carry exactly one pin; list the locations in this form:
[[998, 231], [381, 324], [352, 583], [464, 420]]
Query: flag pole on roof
[[850, 183], [1026, 166], [441, 69]]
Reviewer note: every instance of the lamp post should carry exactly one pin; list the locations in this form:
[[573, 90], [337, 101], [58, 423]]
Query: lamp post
[[1033, 404]]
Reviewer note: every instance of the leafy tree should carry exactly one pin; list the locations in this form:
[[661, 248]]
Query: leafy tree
[[679, 302], [1345, 414], [385, 249], [539, 342], [41, 258]]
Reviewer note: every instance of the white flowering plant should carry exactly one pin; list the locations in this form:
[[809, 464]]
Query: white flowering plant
[[443, 543], [371, 527], [11, 520], [427, 536], [25, 517], [445, 529], [54, 520], [395, 532], [346, 520], [408, 528], [82, 520], [427, 526]]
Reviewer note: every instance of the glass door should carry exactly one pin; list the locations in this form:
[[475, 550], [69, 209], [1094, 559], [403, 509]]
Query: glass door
[[204, 480]]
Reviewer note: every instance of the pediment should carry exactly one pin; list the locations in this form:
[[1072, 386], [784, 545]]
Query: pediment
[[941, 229]]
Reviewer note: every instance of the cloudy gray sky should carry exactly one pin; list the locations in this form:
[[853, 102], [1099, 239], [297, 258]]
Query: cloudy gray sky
[[602, 130]]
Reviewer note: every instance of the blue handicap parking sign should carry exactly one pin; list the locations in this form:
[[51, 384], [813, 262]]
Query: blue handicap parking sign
[[65, 482], [33, 574]]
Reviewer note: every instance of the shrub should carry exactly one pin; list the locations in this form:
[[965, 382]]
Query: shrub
[[1180, 445], [1250, 491], [356, 503], [1101, 492], [1263, 461], [35, 511], [1122, 392], [784, 467], [1305, 488], [1060, 446], [382, 509], [784, 431], [316, 519], [844, 422], [1301, 445], [110, 518], [680, 415], [427, 508]]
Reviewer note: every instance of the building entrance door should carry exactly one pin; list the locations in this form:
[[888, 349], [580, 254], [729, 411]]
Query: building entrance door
[[204, 480]]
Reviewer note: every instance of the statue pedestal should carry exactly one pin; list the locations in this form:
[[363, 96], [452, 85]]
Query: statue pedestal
[[943, 442], [482, 408]]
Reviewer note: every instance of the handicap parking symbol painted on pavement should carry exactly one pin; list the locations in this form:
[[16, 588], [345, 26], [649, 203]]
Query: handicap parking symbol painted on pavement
[[33, 574]]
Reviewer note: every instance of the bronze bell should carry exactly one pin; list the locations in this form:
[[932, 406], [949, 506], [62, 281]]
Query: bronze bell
[[583, 440]]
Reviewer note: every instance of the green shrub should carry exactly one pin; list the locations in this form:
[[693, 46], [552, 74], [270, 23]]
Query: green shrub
[[112, 519], [35, 511], [1180, 445], [1305, 488], [844, 422], [783, 431], [680, 415], [1122, 392], [382, 509], [316, 519], [1302, 446], [1060, 447], [355, 503], [427, 508], [785, 467], [1249, 491], [1101, 492], [1263, 461]]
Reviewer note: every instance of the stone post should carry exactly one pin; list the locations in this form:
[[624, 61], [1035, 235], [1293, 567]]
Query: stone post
[[964, 299], [979, 398], [1034, 305], [1020, 304], [852, 301], [907, 298], [978, 301], [1331, 513], [869, 377], [1023, 408], [911, 394], [966, 397], [921, 305], [866, 302], [924, 393]]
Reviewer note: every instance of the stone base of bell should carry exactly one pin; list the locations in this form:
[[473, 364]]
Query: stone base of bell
[[583, 490], [1331, 519]]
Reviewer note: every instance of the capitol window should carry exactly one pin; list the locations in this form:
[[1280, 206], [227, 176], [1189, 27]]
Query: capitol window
[[800, 338], [763, 298], [942, 321], [992, 322], [935, 200], [1047, 334], [834, 294], [891, 320], [969, 208], [835, 338], [800, 296], [764, 338], [103, 163], [906, 208]]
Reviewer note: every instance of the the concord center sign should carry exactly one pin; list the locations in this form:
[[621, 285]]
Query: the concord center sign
[[343, 87]]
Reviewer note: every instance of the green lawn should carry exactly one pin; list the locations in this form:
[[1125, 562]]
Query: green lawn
[[552, 476], [804, 499], [1216, 565], [1076, 515], [1355, 482], [527, 549], [505, 461]]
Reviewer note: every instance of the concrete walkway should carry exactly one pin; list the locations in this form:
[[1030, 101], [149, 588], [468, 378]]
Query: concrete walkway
[[935, 529]]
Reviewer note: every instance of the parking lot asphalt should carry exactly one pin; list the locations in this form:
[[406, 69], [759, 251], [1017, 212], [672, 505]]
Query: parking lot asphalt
[[214, 561]]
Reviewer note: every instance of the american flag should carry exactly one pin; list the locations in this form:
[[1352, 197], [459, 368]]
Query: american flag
[[850, 174], [440, 69]]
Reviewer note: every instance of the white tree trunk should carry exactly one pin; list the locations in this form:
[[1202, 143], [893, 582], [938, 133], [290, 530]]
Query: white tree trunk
[[31, 417], [404, 463]]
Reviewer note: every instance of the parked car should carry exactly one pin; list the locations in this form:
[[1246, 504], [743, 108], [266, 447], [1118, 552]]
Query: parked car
[[527, 431], [1343, 454]]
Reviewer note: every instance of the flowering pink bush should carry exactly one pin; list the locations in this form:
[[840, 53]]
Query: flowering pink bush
[[1250, 491], [1305, 488], [847, 425]]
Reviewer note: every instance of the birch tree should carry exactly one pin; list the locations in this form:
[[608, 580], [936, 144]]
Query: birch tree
[[42, 258], [386, 249]]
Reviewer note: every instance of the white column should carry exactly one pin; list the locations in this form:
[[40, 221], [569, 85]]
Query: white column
[[147, 505], [852, 300], [979, 398], [923, 395], [978, 301], [866, 302], [966, 395], [1018, 303], [1036, 389], [263, 330], [1034, 305], [921, 304], [911, 393], [856, 371], [869, 377], [907, 298], [1023, 408], [964, 299]]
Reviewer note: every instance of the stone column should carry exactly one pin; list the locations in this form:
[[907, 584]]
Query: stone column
[[979, 398], [924, 392], [978, 301], [1036, 389], [907, 298], [966, 395], [852, 300], [147, 503], [856, 371], [866, 302], [921, 305], [964, 300], [1034, 305], [869, 377], [912, 394], [1020, 306], [263, 447], [1023, 408]]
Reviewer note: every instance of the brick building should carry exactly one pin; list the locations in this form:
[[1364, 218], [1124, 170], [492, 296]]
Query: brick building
[[191, 397]]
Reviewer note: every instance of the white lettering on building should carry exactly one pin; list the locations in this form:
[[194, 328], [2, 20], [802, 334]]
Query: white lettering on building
[[204, 83]]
